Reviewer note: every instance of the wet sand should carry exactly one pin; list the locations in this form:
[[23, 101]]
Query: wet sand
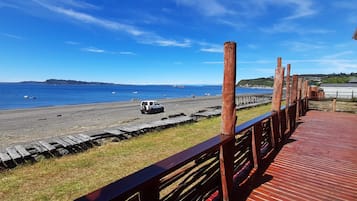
[[26, 125]]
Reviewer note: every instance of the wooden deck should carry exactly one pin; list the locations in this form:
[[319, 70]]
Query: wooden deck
[[319, 162]]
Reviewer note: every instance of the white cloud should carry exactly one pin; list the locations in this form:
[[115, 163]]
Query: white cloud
[[11, 36], [296, 8], [289, 27], [212, 49], [230, 23], [89, 19], [93, 49], [127, 53], [206, 7], [302, 8], [79, 4], [212, 62], [297, 46], [170, 43], [71, 42]]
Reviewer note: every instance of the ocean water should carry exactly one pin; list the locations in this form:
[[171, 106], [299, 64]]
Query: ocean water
[[32, 95]]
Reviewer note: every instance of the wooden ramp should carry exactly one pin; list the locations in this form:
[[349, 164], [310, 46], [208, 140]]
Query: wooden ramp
[[319, 162]]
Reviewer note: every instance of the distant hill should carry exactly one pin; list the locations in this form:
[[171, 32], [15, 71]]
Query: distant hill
[[314, 79], [58, 81]]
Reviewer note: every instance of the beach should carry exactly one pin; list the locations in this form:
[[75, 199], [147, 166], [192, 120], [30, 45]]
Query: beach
[[25, 125]]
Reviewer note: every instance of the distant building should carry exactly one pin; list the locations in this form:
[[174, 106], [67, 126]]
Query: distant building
[[346, 90], [353, 80]]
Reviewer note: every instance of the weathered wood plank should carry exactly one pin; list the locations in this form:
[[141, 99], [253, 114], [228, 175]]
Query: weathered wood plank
[[129, 129], [4, 157], [61, 142], [75, 139], [23, 152], [71, 142], [85, 137], [114, 132], [13, 153], [46, 145]]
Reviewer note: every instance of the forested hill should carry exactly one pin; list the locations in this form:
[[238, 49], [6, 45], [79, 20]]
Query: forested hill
[[314, 79], [73, 82]]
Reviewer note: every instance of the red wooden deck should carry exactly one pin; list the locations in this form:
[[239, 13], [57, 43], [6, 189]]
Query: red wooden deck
[[318, 163]]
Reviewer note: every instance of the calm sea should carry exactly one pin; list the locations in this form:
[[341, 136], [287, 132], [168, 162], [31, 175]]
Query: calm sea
[[31, 95]]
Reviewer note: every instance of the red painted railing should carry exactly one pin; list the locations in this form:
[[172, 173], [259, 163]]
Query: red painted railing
[[194, 173]]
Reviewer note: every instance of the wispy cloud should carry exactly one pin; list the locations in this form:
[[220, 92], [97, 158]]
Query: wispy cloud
[[171, 43], [79, 4], [102, 51], [209, 47], [206, 7], [127, 53], [212, 50], [295, 8], [302, 8], [11, 36], [71, 42], [289, 27], [297, 46], [89, 19], [93, 50], [230, 23], [212, 62], [138, 34]]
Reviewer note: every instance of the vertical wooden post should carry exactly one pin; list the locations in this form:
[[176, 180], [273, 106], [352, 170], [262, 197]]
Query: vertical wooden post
[[278, 87], [306, 106], [334, 105], [277, 96], [229, 118], [288, 68], [298, 100], [294, 89], [256, 144], [302, 97]]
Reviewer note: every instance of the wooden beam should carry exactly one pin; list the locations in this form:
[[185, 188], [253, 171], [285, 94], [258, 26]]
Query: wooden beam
[[229, 118], [278, 86], [288, 96], [294, 89], [298, 99]]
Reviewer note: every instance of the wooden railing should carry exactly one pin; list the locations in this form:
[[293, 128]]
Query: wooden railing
[[194, 173], [226, 165]]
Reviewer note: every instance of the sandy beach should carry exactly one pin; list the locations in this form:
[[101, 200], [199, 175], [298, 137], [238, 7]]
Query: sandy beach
[[26, 125]]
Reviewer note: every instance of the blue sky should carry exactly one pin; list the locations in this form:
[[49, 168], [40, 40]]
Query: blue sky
[[172, 41]]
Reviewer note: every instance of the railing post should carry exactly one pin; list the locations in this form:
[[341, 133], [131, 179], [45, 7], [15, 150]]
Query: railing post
[[306, 106], [229, 118], [298, 99], [256, 144], [277, 96], [294, 89], [334, 105], [288, 68]]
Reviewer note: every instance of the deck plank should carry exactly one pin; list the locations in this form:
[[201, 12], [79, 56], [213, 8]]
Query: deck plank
[[319, 163]]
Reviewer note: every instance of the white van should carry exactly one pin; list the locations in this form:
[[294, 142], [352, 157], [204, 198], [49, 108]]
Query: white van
[[151, 106]]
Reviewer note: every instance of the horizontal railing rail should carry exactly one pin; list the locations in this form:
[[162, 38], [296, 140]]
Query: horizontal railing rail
[[194, 173]]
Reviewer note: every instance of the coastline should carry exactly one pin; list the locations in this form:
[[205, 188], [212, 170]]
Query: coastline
[[25, 125]]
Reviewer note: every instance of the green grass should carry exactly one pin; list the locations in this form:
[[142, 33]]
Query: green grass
[[69, 177]]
